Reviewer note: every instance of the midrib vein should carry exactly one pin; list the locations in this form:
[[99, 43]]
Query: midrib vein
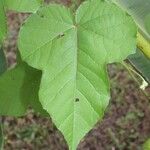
[[75, 80]]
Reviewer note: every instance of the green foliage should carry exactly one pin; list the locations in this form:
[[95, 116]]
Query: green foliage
[[1, 137], [146, 145], [19, 90], [147, 22], [3, 65], [23, 5], [72, 51], [141, 13], [141, 63], [3, 28], [139, 9]]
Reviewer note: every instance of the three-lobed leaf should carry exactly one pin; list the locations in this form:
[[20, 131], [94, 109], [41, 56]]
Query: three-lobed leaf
[[72, 51]]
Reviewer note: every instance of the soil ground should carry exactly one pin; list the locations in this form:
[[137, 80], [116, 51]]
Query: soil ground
[[126, 124]]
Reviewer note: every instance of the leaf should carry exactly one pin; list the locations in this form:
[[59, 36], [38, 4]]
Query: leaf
[[3, 64], [146, 145], [147, 22], [23, 5], [72, 51], [141, 63], [19, 89], [141, 13], [1, 137], [3, 30], [139, 9], [3, 27]]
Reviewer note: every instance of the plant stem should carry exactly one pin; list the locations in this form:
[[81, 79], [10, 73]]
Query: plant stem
[[132, 72], [143, 44]]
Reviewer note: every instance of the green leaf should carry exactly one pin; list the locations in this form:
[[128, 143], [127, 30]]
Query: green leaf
[[3, 30], [3, 64], [3, 26], [141, 13], [140, 10], [72, 51], [141, 63], [1, 137], [19, 89], [146, 145], [147, 22], [23, 5]]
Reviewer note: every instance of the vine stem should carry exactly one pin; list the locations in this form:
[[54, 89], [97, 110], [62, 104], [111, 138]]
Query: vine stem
[[132, 73], [143, 44]]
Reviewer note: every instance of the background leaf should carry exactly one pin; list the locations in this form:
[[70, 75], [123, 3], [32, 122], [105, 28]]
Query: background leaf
[[19, 90], [23, 5], [146, 145], [1, 138], [3, 30], [139, 9], [141, 63], [72, 52], [3, 26], [3, 64]]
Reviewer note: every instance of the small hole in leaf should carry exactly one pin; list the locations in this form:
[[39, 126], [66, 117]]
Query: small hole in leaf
[[60, 35], [77, 100], [40, 14]]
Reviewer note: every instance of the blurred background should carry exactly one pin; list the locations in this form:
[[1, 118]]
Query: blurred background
[[126, 124]]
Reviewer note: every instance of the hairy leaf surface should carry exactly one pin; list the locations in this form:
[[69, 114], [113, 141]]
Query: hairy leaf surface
[[23, 5], [72, 51]]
